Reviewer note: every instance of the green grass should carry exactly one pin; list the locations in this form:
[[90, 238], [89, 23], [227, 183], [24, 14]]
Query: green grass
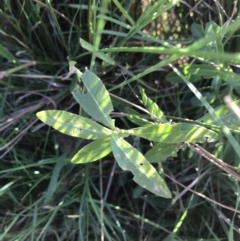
[[45, 197]]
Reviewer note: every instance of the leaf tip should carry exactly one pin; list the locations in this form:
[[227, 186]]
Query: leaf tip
[[41, 115], [38, 114]]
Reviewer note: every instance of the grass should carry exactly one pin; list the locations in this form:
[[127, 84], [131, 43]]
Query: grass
[[43, 195]]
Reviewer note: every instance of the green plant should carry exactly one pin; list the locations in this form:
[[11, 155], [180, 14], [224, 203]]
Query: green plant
[[44, 196], [97, 103]]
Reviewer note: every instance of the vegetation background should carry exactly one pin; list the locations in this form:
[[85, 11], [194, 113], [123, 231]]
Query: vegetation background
[[43, 195]]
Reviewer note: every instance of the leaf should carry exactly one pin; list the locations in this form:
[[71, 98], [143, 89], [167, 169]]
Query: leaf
[[75, 87], [212, 28], [175, 78], [93, 151], [96, 102], [197, 31], [73, 125], [136, 118], [216, 84], [210, 71], [208, 96], [156, 113], [175, 133], [137, 192], [217, 45], [71, 65], [144, 173], [195, 72], [235, 128], [160, 152], [224, 113]]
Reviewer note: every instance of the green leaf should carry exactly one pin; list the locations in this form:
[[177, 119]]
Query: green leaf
[[212, 28], [208, 96], [96, 102], [156, 113], [160, 152], [71, 65], [136, 118], [175, 133], [217, 45], [195, 72], [73, 125], [75, 87], [210, 71], [216, 84], [93, 151], [197, 31], [224, 113], [137, 192], [235, 128], [173, 77], [144, 173]]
